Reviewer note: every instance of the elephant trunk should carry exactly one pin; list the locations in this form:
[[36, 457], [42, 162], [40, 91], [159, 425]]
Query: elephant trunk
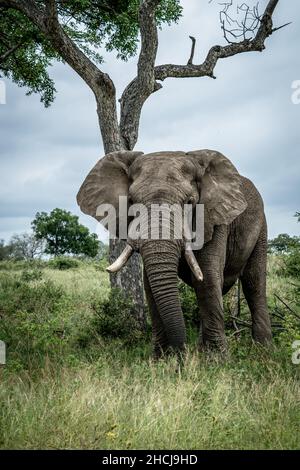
[[161, 263]]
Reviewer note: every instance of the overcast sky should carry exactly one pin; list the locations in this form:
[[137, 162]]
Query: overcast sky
[[247, 114]]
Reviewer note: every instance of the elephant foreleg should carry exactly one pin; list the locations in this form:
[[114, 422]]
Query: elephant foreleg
[[254, 287], [209, 292], [210, 304]]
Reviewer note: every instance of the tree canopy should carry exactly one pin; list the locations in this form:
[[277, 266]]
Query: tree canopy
[[63, 234], [284, 243], [26, 52]]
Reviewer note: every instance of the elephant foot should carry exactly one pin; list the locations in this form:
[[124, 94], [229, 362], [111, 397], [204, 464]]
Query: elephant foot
[[262, 336], [179, 354], [215, 348]]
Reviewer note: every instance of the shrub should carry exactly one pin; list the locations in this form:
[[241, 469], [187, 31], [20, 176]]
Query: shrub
[[31, 275], [101, 265], [63, 262], [114, 318], [13, 265], [292, 264], [31, 325]]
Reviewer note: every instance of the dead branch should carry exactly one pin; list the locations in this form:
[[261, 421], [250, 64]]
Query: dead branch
[[287, 306], [206, 69], [190, 61], [241, 322]]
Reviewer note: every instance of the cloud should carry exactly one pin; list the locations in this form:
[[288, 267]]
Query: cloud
[[247, 114]]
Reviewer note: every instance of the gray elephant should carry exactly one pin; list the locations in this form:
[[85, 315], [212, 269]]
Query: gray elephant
[[235, 238]]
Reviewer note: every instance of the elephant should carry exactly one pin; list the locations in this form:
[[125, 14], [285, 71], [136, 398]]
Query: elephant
[[234, 245]]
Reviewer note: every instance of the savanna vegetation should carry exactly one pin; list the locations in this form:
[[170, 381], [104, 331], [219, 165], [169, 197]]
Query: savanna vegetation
[[79, 372]]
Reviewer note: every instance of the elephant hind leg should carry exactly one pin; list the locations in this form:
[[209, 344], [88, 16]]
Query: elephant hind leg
[[253, 281], [160, 341]]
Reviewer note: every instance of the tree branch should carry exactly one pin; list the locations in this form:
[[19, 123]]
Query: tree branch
[[69, 51], [100, 83], [10, 49], [206, 69], [190, 61], [9, 52], [137, 92], [47, 20]]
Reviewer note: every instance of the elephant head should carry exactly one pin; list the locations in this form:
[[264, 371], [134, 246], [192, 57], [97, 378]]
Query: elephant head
[[203, 176]]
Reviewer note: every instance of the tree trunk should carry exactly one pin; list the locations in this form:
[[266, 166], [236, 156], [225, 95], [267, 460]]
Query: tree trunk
[[130, 278]]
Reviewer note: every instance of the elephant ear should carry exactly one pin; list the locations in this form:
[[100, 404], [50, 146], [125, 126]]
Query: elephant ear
[[106, 182], [220, 189]]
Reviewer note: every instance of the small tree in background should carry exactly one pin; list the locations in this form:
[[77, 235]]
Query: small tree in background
[[283, 244], [103, 251], [26, 246], [5, 251], [63, 234]]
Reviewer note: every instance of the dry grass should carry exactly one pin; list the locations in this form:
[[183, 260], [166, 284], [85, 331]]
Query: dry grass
[[82, 283]]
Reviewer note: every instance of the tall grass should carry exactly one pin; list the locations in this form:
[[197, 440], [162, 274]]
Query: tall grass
[[77, 389], [137, 404]]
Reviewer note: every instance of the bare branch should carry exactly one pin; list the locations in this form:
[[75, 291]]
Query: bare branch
[[137, 92], [190, 61], [239, 28], [287, 306], [280, 27], [221, 52], [240, 322], [145, 83]]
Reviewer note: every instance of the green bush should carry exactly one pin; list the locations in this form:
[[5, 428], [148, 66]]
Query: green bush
[[31, 325], [13, 265], [63, 262], [31, 275], [101, 265], [292, 264], [114, 318]]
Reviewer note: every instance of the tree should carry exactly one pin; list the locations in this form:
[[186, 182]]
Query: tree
[[63, 234], [283, 244], [34, 33], [26, 246], [5, 251], [102, 251], [21, 247]]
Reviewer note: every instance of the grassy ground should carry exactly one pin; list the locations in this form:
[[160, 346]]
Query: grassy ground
[[75, 389]]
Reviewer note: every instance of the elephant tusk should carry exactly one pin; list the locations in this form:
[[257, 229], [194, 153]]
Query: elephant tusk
[[121, 260], [193, 264], [189, 255]]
